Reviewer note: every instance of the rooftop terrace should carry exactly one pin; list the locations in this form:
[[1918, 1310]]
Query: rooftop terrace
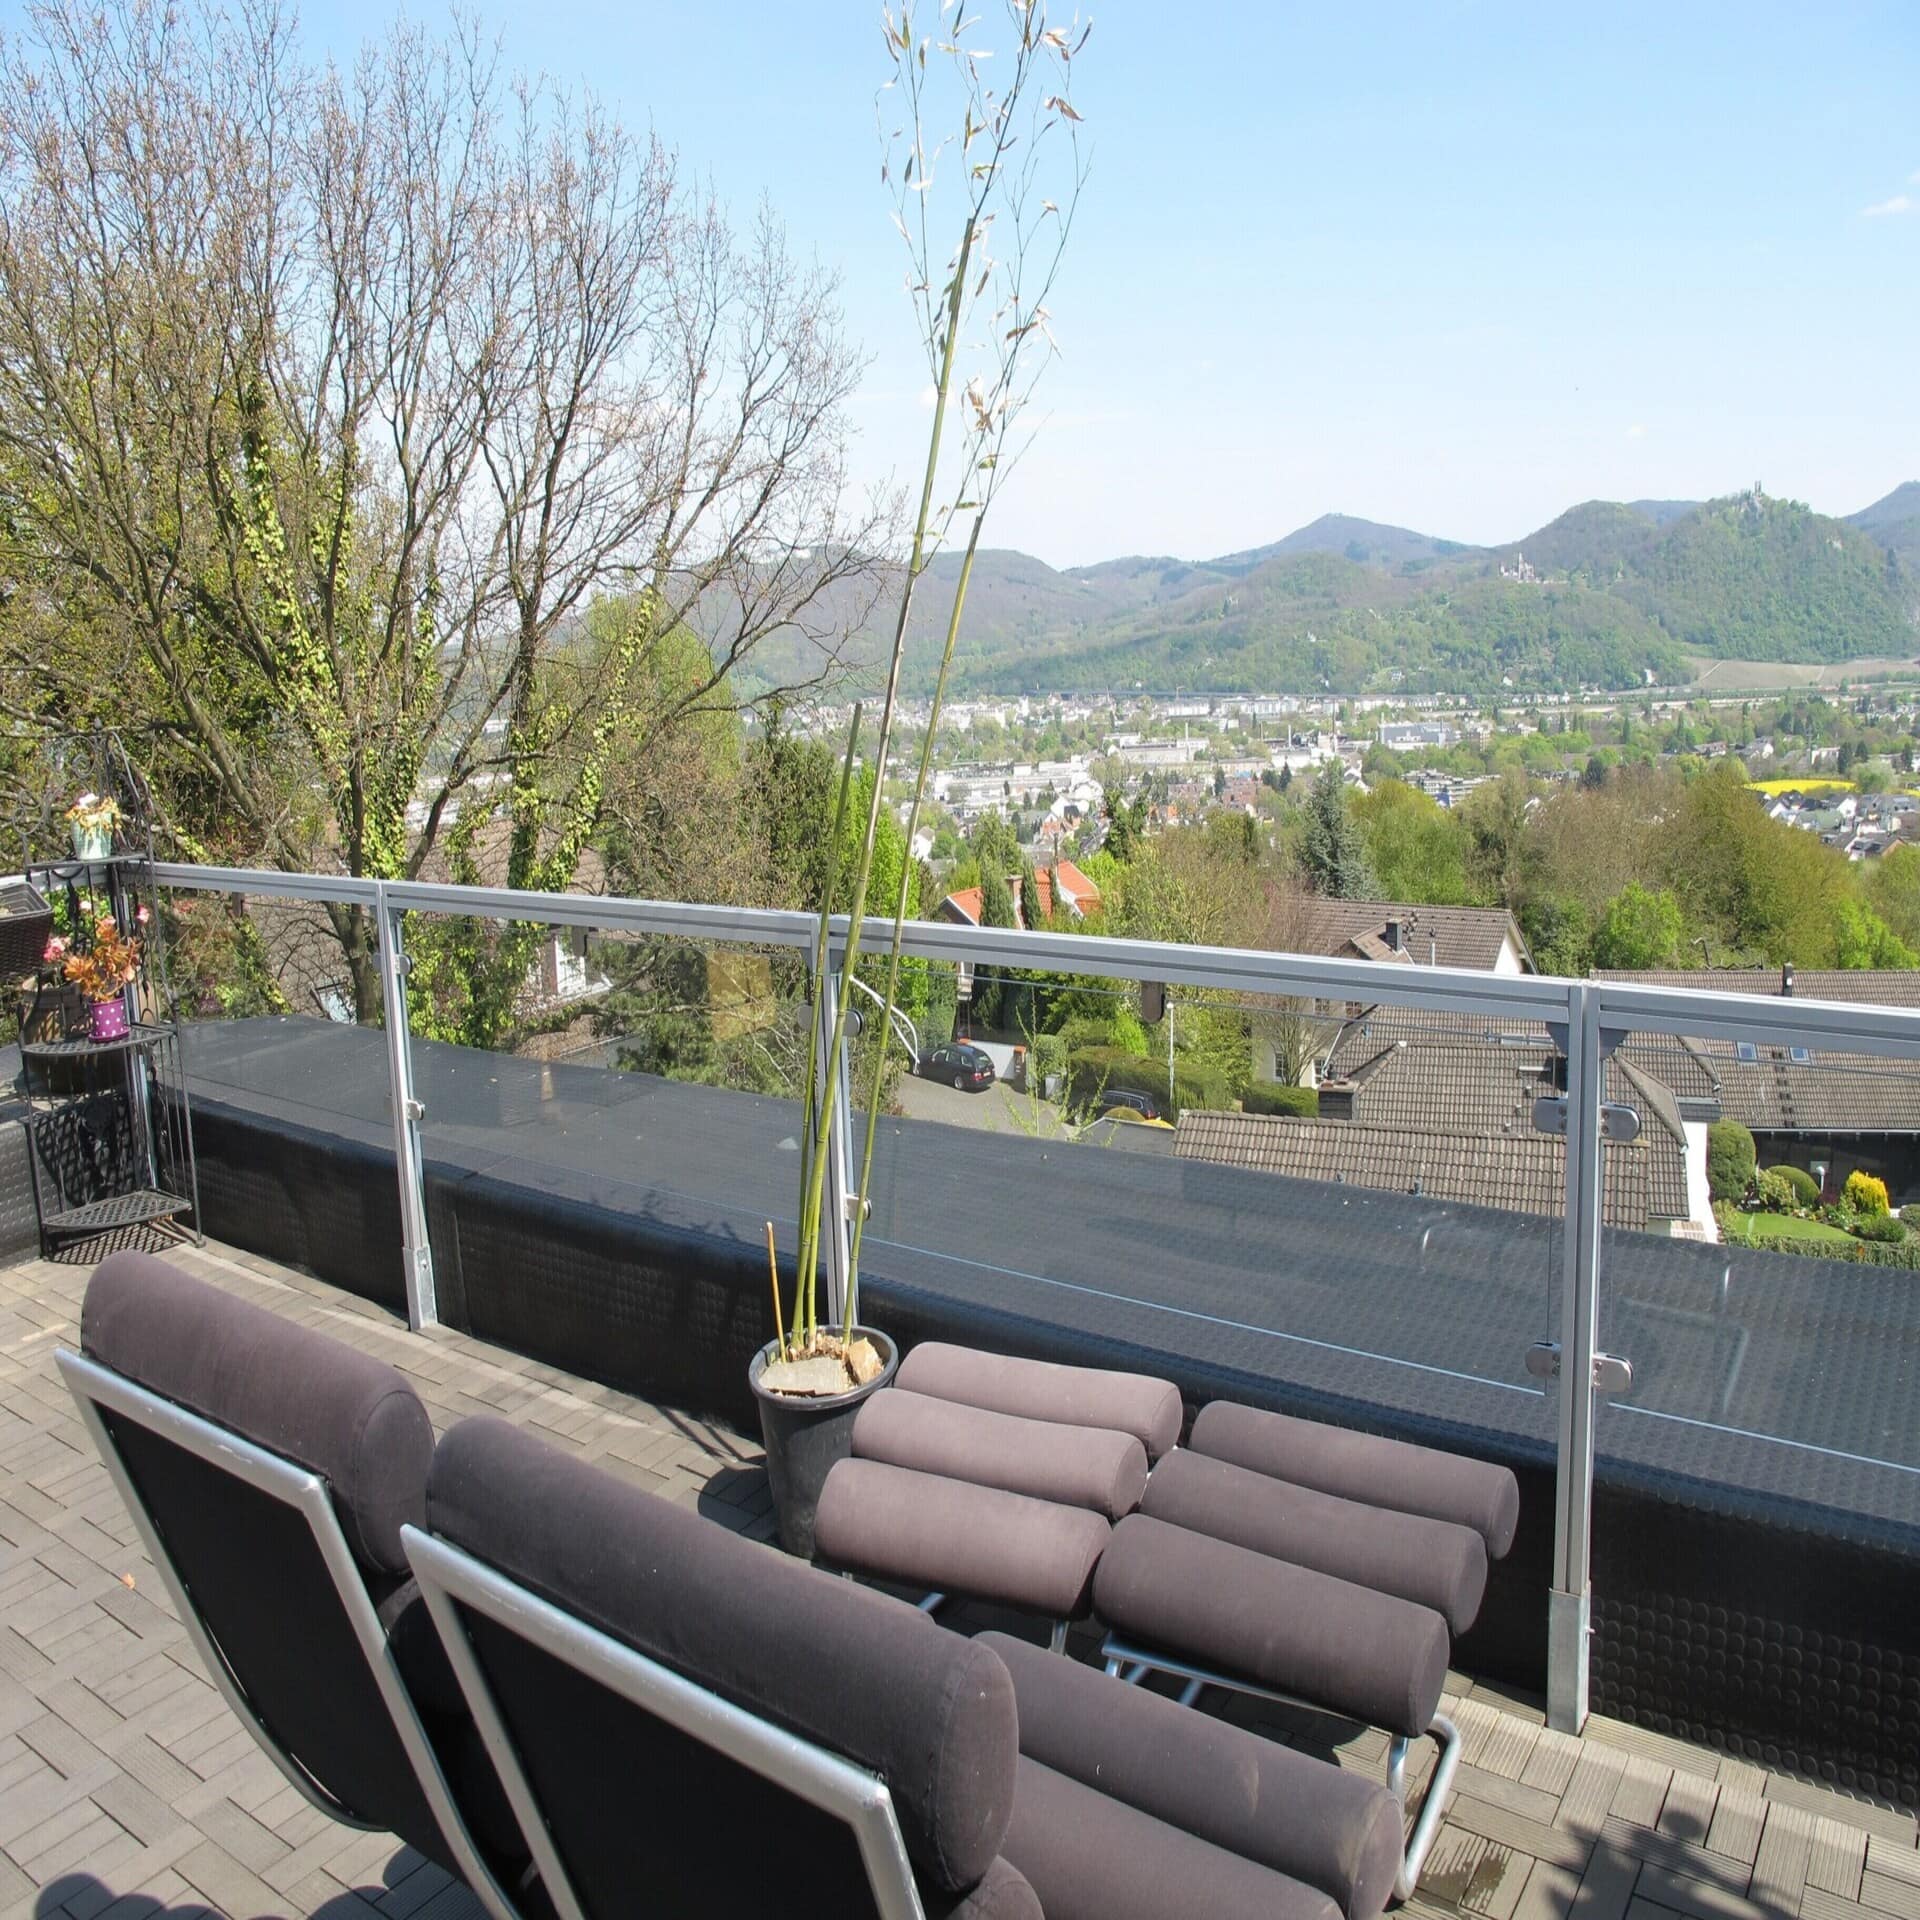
[[127, 1787]]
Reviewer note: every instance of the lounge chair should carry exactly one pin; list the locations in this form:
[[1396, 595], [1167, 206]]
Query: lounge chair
[[692, 1723], [269, 1470], [1271, 1556]]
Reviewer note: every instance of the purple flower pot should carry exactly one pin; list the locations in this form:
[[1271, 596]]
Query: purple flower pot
[[109, 1019]]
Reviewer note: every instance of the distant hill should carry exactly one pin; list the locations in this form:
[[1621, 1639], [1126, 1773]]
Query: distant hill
[[1894, 522], [1365, 542], [1661, 511], [1609, 592]]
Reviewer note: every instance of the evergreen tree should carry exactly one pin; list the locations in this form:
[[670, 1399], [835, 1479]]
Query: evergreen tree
[[1335, 850], [1286, 777]]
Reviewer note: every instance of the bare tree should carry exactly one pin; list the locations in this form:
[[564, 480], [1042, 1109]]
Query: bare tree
[[332, 404]]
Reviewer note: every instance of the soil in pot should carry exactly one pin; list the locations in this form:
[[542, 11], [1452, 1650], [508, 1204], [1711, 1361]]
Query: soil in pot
[[807, 1433]]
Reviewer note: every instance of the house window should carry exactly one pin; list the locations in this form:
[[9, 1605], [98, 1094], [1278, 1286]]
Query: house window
[[1746, 1053], [1801, 1056]]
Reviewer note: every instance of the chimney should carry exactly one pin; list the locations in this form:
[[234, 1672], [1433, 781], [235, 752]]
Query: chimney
[[1336, 1099], [1786, 981], [1393, 936]]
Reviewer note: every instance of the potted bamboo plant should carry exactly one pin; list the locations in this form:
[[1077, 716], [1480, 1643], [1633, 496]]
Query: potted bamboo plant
[[988, 173]]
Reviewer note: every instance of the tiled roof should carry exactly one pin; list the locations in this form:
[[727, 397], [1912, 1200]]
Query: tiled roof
[[1522, 1173], [1438, 936], [1880, 987], [1826, 1092], [965, 905], [1454, 1075]]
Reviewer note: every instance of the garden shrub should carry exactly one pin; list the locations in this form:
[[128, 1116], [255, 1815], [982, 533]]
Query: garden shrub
[[1865, 1193], [1806, 1189], [1771, 1194], [1881, 1227], [1730, 1160], [1093, 1070], [1046, 1056], [1299, 1103]]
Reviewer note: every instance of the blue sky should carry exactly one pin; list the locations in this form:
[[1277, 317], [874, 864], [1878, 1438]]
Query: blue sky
[[1453, 266]]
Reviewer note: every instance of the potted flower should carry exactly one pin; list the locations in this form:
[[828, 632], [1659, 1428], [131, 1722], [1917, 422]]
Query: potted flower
[[811, 1378], [102, 961], [91, 821]]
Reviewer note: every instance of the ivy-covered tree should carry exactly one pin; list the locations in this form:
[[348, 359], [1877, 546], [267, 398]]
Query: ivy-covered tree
[[369, 426]]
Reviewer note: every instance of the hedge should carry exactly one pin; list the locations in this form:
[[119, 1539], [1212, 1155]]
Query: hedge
[[1865, 1253], [1730, 1160], [1092, 1070], [1806, 1189], [1299, 1103]]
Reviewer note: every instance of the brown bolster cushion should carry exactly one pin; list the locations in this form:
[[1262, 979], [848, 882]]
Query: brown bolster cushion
[[1288, 1811], [1134, 1403], [924, 1530], [1368, 1655], [1440, 1565], [1365, 1467], [1089, 1857], [1094, 1467]]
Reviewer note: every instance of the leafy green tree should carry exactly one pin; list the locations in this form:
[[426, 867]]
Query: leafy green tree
[[1418, 847], [1863, 940], [1639, 929], [1125, 824], [1892, 889], [1335, 850]]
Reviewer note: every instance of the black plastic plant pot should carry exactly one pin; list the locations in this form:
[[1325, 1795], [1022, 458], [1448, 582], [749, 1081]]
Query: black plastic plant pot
[[805, 1437]]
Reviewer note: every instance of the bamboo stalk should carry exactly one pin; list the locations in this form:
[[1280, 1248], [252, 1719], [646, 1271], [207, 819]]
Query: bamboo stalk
[[900, 905], [817, 1170], [773, 1274], [807, 1115]]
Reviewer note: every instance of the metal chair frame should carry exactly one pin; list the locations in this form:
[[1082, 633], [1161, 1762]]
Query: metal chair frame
[[452, 1580], [94, 1388]]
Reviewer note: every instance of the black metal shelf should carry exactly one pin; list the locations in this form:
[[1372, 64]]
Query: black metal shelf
[[109, 1122], [140, 1206], [134, 1038]]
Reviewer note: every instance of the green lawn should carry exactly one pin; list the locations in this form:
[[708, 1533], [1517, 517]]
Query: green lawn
[[1785, 1226]]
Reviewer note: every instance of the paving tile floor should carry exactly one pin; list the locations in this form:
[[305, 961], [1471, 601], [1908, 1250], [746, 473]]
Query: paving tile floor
[[127, 1788]]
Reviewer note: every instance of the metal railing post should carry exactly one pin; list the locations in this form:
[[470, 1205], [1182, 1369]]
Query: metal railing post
[[836, 1242], [1569, 1620], [416, 1252]]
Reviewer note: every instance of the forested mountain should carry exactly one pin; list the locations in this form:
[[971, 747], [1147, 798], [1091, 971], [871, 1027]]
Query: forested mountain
[[1894, 521], [1604, 595]]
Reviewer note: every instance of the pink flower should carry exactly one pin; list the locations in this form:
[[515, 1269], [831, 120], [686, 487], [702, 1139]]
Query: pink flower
[[55, 948], [141, 915]]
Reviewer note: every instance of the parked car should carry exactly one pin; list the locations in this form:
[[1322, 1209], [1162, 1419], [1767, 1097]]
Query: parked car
[[1124, 1103], [959, 1065]]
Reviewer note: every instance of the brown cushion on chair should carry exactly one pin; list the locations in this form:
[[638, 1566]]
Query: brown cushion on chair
[[1092, 1467], [1001, 1895], [924, 1530], [1366, 1654], [1363, 1466], [862, 1674], [1440, 1565], [1337, 1831], [349, 1417], [1089, 1857], [1134, 1403]]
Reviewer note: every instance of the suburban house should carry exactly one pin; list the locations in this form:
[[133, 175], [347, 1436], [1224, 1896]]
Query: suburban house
[[303, 952], [1289, 1041], [1062, 882], [1806, 1107], [1443, 1105]]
